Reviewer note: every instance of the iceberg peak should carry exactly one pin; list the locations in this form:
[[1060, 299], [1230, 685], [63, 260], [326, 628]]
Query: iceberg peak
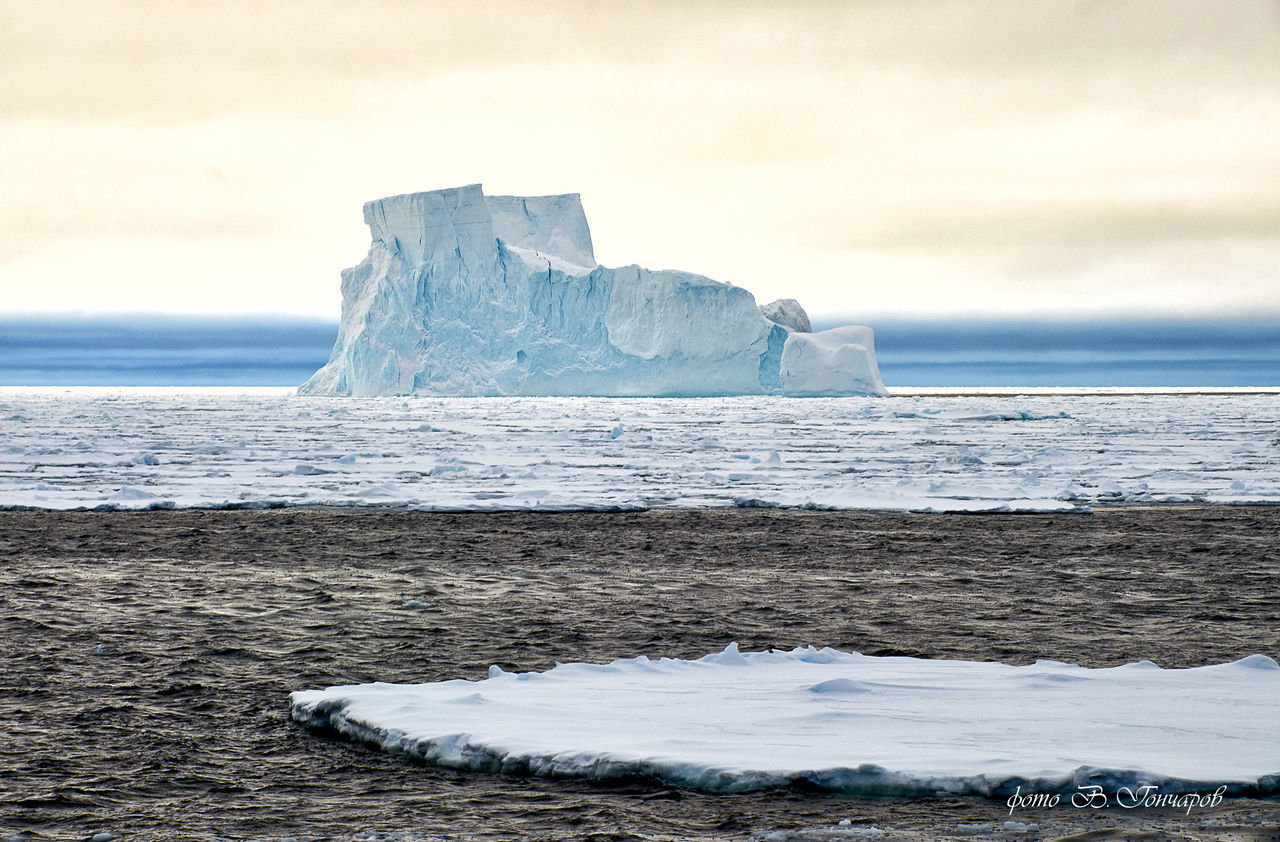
[[467, 294], [788, 313]]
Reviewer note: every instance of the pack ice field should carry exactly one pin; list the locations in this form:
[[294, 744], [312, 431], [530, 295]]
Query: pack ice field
[[155, 448]]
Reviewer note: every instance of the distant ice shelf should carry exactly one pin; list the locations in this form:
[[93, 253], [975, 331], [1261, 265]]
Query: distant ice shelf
[[837, 721], [474, 295]]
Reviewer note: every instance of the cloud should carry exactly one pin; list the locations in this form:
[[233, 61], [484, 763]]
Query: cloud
[[786, 147]]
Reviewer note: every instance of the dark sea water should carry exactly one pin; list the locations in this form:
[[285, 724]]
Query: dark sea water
[[187, 351], [146, 658]]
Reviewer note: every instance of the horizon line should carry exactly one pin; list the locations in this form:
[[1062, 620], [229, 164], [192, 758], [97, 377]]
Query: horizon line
[[829, 319]]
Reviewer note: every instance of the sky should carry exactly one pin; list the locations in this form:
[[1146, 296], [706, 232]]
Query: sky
[[872, 158]]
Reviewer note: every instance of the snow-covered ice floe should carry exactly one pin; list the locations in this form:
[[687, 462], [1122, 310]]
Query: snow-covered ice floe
[[837, 721], [147, 448], [467, 294]]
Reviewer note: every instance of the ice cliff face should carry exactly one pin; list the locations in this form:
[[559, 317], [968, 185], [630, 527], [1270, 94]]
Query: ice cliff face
[[467, 294], [788, 313]]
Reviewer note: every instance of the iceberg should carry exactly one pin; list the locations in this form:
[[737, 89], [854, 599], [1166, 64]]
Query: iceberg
[[788, 313], [474, 295]]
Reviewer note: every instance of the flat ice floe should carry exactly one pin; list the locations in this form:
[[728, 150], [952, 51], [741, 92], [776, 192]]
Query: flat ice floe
[[149, 448], [837, 721]]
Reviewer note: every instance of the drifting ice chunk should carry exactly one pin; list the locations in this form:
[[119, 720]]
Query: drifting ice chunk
[[866, 725], [467, 294]]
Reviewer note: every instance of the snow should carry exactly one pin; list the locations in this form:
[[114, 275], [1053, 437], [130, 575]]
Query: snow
[[842, 831], [467, 294], [70, 448], [845, 722]]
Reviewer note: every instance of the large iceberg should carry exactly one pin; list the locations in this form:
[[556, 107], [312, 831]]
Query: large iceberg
[[468, 294]]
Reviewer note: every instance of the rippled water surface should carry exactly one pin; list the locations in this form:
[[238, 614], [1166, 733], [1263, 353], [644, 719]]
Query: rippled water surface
[[146, 658]]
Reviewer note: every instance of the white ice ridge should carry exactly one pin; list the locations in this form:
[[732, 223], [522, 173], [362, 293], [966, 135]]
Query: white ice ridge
[[467, 294], [837, 721]]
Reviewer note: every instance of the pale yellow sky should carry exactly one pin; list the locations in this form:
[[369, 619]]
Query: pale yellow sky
[[869, 157]]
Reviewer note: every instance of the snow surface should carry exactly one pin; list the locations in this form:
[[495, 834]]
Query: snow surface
[[845, 722], [147, 448], [467, 294]]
